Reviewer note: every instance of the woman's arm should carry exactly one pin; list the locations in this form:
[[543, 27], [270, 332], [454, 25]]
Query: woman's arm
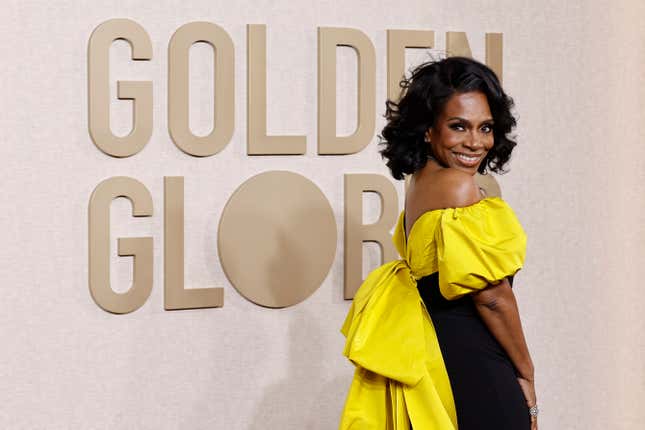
[[497, 306]]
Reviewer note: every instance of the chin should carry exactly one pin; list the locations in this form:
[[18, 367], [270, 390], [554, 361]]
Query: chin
[[470, 170]]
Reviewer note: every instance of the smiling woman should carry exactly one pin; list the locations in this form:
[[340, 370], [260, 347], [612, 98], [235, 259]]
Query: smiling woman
[[436, 335], [433, 96], [463, 134]]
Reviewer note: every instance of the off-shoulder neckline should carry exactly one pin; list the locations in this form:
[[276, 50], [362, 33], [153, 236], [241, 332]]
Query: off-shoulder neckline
[[477, 203]]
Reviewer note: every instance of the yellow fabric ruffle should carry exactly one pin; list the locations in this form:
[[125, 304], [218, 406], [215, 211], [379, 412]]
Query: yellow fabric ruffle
[[400, 375]]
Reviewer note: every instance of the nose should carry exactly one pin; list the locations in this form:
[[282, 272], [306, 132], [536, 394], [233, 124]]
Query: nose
[[473, 141]]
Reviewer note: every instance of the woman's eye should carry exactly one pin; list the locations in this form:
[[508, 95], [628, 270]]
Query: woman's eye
[[457, 126], [487, 128]]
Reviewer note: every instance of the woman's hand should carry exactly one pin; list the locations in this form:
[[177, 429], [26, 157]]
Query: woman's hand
[[528, 388]]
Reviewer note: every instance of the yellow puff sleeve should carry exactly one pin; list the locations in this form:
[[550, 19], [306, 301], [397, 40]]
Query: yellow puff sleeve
[[478, 245]]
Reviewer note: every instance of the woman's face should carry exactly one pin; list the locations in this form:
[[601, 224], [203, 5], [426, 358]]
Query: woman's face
[[463, 133]]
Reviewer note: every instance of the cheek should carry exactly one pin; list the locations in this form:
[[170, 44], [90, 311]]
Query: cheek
[[451, 138], [489, 142]]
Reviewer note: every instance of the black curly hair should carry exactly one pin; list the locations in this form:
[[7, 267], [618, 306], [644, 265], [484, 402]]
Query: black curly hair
[[422, 99]]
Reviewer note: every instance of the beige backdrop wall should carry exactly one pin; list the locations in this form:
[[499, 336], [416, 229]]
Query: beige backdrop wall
[[576, 72]]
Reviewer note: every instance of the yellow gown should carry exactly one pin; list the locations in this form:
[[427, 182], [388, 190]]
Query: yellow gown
[[400, 376]]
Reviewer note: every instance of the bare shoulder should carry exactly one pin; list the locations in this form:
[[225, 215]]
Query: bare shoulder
[[452, 188]]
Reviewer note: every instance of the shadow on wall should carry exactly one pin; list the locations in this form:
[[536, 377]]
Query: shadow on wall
[[304, 399]]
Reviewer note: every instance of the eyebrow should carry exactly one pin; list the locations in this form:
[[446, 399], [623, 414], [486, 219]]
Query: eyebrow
[[468, 122]]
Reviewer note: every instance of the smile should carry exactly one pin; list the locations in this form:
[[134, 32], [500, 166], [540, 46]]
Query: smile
[[468, 160]]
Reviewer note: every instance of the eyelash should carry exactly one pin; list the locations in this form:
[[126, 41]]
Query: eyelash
[[457, 126]]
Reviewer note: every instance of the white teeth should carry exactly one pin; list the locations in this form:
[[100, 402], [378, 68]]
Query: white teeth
[[467, 158]]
